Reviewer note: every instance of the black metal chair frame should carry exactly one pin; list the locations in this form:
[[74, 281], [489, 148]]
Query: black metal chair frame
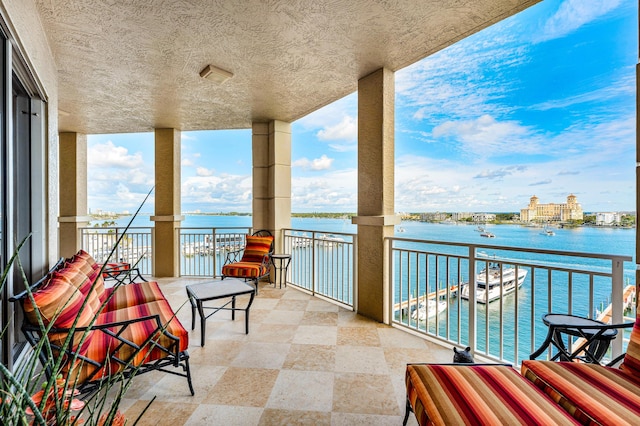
[[236, 255], [174, 357], [122, 276]]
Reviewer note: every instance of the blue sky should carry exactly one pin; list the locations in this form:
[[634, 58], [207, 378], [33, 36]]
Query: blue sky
[[542, 103]]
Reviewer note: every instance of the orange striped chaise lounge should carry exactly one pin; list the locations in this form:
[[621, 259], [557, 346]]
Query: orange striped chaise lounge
[[459, 394]]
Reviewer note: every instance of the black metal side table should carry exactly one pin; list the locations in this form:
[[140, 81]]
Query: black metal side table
[[283, 261], [596, 338]]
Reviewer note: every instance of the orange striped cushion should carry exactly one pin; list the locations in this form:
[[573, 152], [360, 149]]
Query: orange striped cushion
[[478, 394], [244, 270], [59, 302], [591, 393], [631, 362], [132, 294], [102, 345], [90, 268], [256, 248], [80, 281]]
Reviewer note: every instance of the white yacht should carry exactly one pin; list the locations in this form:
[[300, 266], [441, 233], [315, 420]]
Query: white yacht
[[548, 232], [488, 282], [433, 308]]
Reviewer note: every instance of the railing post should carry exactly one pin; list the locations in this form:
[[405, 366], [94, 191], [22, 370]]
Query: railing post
[[314, 263], [473, 286], [118, 247], [617, 302], [354, 268]]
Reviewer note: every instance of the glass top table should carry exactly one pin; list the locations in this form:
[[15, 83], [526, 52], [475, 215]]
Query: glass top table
[[218, 289]]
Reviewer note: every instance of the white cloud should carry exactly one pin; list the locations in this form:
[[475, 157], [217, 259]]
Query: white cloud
[[203, 171], [322, 163], [116, 179], [336, 191], [187, 163], [487, 136], [625, 86], [109, 155], [500, 173], [215, 193], [326, 116], [573, 14], [346, 130]]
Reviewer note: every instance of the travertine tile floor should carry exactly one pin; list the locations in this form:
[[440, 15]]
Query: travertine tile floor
[[304, 361]]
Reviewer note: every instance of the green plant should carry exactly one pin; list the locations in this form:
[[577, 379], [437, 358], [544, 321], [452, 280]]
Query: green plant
[[29, 397]]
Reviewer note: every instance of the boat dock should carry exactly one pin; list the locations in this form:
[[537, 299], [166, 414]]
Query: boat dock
[[628, 297], [412, 304]]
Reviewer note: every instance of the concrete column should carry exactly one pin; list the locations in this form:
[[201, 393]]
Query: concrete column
[[272, 178], [73, 191], [376, 217], [166, 262]]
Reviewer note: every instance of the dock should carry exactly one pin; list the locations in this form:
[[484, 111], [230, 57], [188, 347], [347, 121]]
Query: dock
[[412, 304], [628, 297]]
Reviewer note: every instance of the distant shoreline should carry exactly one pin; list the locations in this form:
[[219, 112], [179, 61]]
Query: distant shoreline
[[347, 216]]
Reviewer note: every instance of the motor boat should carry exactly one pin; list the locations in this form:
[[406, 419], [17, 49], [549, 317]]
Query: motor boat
[[433, 308], [489, 279]]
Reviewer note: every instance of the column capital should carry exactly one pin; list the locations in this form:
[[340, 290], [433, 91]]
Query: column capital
[[380, 220], [74, 219], [168, 218]]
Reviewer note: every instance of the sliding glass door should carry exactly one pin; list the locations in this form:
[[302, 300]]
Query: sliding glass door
[[22, 190]]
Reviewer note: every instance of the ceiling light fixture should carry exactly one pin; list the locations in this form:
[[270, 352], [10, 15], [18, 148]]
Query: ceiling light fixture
[[215, 74]]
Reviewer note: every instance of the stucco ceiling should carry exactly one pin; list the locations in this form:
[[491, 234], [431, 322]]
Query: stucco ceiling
[[133, 65]]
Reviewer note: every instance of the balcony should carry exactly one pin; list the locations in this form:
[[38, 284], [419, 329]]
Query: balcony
[[500, 331], [305, 360]]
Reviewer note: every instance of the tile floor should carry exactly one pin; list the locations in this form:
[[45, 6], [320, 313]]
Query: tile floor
[[305, 361]]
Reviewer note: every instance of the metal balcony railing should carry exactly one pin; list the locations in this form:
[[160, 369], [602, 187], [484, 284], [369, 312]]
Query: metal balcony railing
[[203, 250], [135, 247], [430, 290], [322, 263], [431, 293]]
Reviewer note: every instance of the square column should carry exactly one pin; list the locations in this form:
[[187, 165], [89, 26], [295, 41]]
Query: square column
[[376, 217], [271, 146], [166, 261], [73, 191]]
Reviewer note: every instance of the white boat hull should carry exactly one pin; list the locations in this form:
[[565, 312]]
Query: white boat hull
[[487, 294], [433, 308]]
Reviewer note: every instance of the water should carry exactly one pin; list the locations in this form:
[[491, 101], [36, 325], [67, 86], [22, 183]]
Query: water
[[613, 241], [582, 239]]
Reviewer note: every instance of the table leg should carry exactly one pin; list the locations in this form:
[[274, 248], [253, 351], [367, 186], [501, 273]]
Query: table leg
[[544, 345], [193, 313], [246, 314], [233, 308], [203, 322], [558, 342]]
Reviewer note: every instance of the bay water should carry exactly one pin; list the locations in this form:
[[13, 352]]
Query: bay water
[[586, 239]]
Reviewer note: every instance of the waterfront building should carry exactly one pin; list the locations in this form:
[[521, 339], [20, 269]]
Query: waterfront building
[[484, 217], [608, 218], [552, 212], [461, 216], [433, 217]]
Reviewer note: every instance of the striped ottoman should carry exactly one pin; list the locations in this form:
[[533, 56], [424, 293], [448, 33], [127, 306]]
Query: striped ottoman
[[456, 394]]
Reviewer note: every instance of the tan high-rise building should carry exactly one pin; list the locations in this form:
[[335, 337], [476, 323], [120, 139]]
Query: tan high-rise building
[[552, 212]]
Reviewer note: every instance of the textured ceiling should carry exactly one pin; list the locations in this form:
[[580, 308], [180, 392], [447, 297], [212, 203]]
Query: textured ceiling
[[133, 65]]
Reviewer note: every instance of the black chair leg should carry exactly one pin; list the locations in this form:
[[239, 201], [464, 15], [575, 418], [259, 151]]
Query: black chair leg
[[407, 410]]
